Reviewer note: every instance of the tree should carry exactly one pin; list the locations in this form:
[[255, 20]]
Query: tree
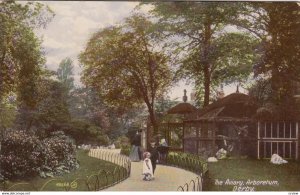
[[122, 122], [85, 104], [278, 27], [65, 74], [51, 112], [231, 57], [261, 91], [20, 52], [7, 113], [163, 104], [283, 28], [211, 54], [85, 132], [52, 106], [21, 57], [125, 67]]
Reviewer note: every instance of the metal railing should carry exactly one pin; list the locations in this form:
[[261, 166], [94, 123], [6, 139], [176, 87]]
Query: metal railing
[[191, 163], [119, 174], [95, 182], [194, 185]]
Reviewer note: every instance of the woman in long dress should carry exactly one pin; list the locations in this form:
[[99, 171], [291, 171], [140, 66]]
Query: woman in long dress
[[135, 150]]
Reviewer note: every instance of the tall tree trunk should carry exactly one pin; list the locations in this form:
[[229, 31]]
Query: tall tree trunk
[[205, 62], [152, 117], [207, 82]]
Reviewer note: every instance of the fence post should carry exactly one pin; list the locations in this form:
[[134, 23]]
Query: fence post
[[194, 184], [182, 189]]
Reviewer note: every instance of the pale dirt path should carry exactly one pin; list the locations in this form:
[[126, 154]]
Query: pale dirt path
[[166, 179]]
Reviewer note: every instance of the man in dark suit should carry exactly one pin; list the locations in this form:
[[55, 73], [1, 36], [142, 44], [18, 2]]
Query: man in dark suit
[[154, 154]]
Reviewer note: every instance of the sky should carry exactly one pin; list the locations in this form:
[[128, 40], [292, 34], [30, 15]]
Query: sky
[[74, 23]]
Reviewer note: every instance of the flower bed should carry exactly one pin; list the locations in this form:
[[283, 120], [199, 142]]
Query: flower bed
[[187, 161]]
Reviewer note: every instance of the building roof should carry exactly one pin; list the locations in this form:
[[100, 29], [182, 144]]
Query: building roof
[[234, 107], [182, 108], [219, 119]]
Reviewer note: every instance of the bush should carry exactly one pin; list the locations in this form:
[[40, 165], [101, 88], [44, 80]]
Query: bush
[[125, 151], [20, 155], [58, 155], [96, 136], [85, 132], [188, 161], [23, 155], [122, 142]]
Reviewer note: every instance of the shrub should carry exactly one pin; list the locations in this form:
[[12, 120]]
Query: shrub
[[122, 142], [58, 155], [187, 161], [125, 151], [85, 132], [96, 136], [20, 155], [24, 155]]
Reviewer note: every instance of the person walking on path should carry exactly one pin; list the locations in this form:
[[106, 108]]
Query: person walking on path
[[135, 153], [154, 155], [147, 167]]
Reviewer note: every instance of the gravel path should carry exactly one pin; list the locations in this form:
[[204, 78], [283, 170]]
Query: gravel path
[[166, 179]]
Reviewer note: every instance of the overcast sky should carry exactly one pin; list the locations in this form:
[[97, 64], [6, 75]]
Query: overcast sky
[[72, 26]]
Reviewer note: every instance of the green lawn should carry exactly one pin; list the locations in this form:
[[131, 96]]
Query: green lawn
[[280, 177], [88, 166]]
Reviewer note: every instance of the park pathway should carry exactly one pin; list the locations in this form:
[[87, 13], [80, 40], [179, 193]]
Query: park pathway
[[166, 179]]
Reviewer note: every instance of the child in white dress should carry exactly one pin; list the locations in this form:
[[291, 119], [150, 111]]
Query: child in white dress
[[147, 167]]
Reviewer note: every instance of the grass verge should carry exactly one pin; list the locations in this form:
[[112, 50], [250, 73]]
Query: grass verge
[[73, 181], [258, 175]]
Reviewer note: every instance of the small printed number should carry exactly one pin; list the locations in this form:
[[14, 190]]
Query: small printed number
[[293, 193]]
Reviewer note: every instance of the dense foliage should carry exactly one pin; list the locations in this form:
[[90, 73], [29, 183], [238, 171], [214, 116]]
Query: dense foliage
[[131, 69], [122, 142], [210, 50], [58, 155], [23, 155], [65, 74], [277, 26], [20, 155], [21, 56], [85, 132]]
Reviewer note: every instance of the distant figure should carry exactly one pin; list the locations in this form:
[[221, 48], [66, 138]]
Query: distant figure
[[147, 167], [154, 155], [135, 154]]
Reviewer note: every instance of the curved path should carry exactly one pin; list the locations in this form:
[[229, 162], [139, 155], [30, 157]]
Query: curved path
[[166, 179]]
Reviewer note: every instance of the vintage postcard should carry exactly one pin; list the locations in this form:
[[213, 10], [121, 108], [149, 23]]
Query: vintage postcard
[[158, 96]]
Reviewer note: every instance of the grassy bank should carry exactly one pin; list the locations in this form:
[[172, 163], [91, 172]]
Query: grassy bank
[[73, 181], [258, 175]]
